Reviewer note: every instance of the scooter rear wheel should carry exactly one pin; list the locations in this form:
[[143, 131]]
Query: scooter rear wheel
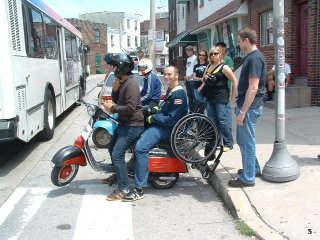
[[158, 180], [194, 138], [61, 176]]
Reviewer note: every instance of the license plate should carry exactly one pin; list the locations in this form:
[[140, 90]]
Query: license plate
[[86, 132]]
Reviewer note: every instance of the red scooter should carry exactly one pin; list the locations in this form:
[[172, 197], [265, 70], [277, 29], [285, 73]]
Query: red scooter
[[194, 140]]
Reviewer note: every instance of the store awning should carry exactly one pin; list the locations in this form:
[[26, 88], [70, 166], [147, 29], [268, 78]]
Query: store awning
[[184, 37]]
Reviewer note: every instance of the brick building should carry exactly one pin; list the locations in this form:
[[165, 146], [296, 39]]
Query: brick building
[[221, 20], [183, 16], [94, 35], [301, 44]]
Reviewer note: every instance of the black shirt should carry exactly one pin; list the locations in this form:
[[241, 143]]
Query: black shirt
[[217, 91], [199, 69], [254, 66]]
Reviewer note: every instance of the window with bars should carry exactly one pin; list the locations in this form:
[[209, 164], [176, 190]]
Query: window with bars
[[97, 36], [266, 21]]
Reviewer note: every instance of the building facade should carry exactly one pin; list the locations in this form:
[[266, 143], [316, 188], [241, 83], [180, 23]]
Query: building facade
[[162, 38], [94, 35], [183, 16], [221, 20], [124, 29], [301, 21]]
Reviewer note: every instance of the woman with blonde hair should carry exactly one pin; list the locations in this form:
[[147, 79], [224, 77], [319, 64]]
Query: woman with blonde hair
[[216, 91]]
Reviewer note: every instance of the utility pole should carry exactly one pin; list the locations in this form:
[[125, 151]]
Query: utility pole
[[152, 39], [281, 167]]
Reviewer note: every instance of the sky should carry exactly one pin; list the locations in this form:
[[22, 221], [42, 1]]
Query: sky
[[72, 8]]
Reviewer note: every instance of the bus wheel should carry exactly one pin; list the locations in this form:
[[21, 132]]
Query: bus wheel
[[49, 121]]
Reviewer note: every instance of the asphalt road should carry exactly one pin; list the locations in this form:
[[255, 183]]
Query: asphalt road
[[31, 207]]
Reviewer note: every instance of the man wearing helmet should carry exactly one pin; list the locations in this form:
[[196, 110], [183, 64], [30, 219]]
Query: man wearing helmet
[[151, 91], [126, 102], [173, 108]]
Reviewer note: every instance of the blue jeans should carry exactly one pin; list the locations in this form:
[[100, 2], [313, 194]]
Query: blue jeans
[[246, 138], [229, 113], [120, 143], [218, 113], [190, 85], [148, 140]]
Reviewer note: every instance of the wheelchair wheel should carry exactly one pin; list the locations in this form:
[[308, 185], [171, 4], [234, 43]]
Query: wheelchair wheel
[[194, 138]]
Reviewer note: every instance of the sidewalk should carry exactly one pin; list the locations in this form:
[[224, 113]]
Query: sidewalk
[[288, 210]]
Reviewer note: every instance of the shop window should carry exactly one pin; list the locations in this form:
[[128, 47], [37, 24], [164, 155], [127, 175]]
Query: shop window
[[266, 20]]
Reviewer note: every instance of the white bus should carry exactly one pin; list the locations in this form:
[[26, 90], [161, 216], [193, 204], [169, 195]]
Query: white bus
[[41, 69]]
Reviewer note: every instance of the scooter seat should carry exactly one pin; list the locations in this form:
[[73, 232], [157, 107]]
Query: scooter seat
[[163, 148]]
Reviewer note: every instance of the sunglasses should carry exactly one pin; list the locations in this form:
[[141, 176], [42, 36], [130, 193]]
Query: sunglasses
[[214, 53], [203, 55]]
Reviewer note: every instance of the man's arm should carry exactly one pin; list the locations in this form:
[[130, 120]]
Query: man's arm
[[146, 97], [250, 95]]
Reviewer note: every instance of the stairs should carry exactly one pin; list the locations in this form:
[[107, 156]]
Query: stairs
[[298, 95]]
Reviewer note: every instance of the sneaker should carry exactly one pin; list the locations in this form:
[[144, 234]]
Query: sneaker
[[110, 180], [133, 195], [227, 149], [116, 195]]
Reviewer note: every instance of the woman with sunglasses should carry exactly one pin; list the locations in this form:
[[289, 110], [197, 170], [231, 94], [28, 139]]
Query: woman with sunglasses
[[198, 71], [216, 91]]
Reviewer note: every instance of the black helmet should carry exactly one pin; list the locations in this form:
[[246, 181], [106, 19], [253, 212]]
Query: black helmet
[[123, 62]]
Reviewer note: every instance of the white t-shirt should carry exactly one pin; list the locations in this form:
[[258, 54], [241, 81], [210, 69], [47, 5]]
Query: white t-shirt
[[287, 69], [191, 61]]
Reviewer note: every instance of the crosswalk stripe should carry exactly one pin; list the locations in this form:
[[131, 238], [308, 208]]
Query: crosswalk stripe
[[8, 206], [36, 197], [102, 219]]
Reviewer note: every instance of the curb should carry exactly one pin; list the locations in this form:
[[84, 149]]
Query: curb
[[240, 206]]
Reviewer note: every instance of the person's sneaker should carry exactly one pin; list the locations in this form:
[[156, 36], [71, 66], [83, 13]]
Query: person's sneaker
[[227, 149], [238, 183], [258, 174], [110, 180], [133, 195], [116, 195]]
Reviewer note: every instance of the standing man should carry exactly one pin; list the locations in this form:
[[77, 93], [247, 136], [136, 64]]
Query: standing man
[[191, 85], [249, 106], [125, 102], [172, 109]]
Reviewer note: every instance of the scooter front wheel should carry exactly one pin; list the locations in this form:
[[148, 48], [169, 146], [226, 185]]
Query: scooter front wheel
[[61, 176], [163, 180], [101, 137]]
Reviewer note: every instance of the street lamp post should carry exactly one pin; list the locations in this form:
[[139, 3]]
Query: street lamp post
[[152, 48], [281, 167]]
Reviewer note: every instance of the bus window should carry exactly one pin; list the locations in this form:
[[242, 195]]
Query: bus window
[[34, 33], [68, 44], [50, 43]]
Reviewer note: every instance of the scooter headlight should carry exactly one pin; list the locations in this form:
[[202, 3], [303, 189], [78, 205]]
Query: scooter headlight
[[91, 110]]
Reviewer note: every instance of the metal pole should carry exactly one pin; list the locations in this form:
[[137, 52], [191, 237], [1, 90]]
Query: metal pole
[[281, 167], [152, 40]]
